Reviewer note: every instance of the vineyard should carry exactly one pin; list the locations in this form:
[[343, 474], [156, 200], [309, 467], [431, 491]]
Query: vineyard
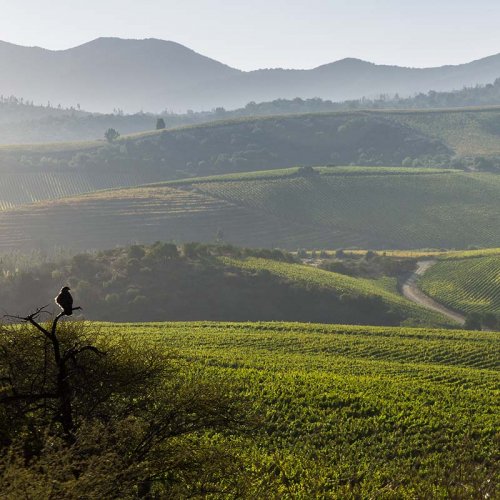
[[418, 211], [333, 208], [465, 284], [124, 216], [353, 412], [467, 132]]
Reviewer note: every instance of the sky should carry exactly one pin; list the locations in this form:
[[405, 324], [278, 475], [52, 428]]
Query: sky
[[251, 34]]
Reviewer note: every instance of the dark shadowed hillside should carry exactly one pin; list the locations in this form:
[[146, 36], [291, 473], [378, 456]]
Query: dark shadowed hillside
[[210, 282], [239, 146]]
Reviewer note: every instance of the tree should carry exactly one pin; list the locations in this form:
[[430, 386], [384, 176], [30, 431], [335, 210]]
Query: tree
[[473, 321], [94, 417], [111, 134], [307, 172], [160, 124], [490, 321]]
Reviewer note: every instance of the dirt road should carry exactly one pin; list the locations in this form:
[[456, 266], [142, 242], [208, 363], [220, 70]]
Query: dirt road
[[413, 293]]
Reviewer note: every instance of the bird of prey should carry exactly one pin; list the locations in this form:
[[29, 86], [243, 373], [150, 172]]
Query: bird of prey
[[65, 301]]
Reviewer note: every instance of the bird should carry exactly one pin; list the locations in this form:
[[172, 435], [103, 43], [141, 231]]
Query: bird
[[65, 301]]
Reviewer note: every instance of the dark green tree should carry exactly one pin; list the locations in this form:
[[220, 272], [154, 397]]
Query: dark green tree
[[473, 321], [111, 134], [160, 124]]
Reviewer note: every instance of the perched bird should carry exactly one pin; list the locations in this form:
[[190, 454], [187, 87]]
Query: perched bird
[[65, 301]]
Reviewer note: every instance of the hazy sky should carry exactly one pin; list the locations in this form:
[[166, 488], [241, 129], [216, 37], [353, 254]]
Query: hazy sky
[[250, 34]]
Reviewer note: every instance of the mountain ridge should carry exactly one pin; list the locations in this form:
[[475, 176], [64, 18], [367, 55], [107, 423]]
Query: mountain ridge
[[152, 74]]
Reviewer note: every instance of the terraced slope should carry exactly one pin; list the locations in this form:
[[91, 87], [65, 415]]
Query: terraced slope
[[350, 412], [465, 284], [125, 216], [334, 207]]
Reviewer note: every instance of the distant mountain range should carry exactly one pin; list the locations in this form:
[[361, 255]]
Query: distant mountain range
[[153, 75]]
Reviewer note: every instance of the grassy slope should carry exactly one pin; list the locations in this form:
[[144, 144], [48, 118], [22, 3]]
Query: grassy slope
[[467, 283], [368, 208], [354, 411]]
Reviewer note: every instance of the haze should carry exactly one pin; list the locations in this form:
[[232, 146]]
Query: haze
[[292, 34]]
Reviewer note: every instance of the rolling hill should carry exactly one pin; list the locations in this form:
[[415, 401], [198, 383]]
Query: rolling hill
[[48, 171], [413, 138], [239, 145], [152, 75], [324, 208]]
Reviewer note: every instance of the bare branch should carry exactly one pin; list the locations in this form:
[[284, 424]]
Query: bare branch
[[35, 314]]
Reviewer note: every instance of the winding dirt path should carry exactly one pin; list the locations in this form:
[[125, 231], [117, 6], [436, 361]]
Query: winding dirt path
[[413, 293]]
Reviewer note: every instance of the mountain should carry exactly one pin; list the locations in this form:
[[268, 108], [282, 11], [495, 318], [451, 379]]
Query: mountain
[[152, 75], [106, 73]]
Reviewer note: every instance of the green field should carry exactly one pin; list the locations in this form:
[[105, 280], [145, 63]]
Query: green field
[[345, 207], [353, 412], [467, 284], [367, 208]]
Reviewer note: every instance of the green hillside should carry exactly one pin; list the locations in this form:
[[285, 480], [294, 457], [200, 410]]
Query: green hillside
[[469, 284], [464, 138], [329, 208], [208, 282], [350, 412], [468, 132]]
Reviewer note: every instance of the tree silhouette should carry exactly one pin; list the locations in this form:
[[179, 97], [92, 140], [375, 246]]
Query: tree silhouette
[[34, 395]]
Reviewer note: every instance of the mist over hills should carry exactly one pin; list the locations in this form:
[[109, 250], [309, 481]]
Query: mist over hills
[[153, 75]]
